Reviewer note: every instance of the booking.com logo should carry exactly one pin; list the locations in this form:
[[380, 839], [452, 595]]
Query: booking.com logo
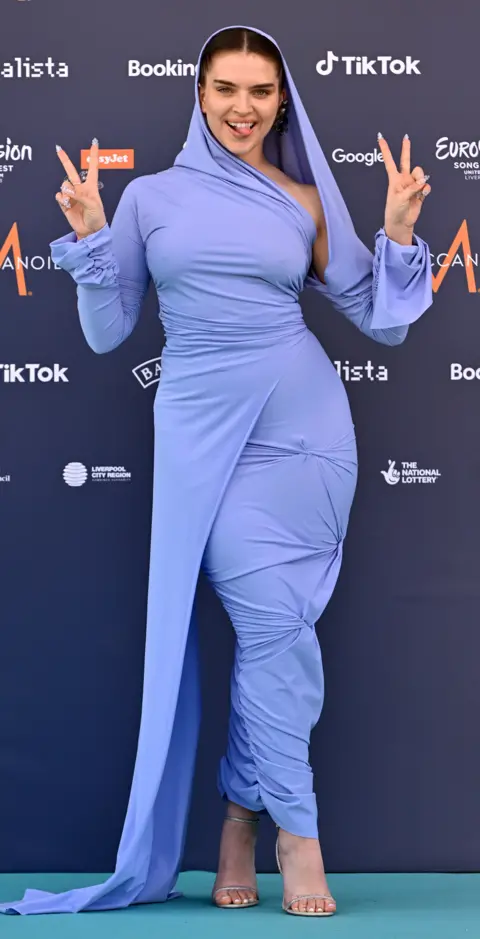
[[362, 65], [168, 69]]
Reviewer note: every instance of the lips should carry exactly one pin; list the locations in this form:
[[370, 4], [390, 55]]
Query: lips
[[241, 128]]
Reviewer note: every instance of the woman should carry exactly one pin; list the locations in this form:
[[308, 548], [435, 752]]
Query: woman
[[255, 460]]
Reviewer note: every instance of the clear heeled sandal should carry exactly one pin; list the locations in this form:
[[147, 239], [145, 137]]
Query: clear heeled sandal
[[245, 903], [287, 907]]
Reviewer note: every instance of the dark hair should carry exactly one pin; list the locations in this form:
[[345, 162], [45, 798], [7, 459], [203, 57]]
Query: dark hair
[[237, 39]]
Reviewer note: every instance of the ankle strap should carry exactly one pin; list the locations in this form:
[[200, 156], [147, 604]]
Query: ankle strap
[[234, 818]]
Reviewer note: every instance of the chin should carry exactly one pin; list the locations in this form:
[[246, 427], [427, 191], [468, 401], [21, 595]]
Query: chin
[[239, 147]]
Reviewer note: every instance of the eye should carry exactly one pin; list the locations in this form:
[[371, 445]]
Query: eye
[[262, 92], [221, 90]]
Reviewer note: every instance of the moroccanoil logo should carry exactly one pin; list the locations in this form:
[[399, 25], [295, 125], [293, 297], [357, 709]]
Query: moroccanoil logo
[[110, 159], [460, 255], [11, 259]]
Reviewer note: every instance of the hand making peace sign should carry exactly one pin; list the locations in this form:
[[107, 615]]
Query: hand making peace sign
[[79, 200], [406, 191]]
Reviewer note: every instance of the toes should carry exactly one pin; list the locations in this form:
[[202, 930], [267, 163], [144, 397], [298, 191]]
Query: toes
[[314, 905], [245, 895], [227, 898], [329, 906], [223, 899]]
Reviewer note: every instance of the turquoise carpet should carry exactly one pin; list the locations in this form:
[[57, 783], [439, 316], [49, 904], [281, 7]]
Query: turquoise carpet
[[370, 906]]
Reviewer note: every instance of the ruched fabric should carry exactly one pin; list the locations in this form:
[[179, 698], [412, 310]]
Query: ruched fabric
[[254, 467]]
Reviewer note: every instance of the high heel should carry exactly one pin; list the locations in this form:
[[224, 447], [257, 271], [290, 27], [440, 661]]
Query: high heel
[[245, 903], [287, 907]]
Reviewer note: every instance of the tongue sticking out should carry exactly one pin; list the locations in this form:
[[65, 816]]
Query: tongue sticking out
[[241, 131]]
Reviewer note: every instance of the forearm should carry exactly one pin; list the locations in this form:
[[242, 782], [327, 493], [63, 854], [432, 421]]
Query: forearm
[[110, 270], [385, 292]]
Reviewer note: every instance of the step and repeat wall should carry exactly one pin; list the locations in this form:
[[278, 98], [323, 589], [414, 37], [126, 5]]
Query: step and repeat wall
[[396, 753]]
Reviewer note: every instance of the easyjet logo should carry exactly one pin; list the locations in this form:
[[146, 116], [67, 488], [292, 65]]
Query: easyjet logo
[[12, 259], [110, 159], [459, 254]]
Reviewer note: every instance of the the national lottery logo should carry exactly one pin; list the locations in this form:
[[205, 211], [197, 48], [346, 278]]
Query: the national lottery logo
[[148, 373], [408, 473], [22, 67], [76, 474], [464, 155], [362, 65], [371, 372], [11, 154]]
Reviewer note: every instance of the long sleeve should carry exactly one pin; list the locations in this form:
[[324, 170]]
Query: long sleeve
[[387, 291], [111, 273]]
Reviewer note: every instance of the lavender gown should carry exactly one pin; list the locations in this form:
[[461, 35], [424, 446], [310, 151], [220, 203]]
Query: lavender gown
[[255, 466]]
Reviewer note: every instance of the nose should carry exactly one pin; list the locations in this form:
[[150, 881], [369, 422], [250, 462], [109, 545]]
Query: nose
[[242, 105]]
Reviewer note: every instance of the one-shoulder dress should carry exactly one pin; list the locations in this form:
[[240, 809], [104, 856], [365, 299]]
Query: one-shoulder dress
[[254, 468]]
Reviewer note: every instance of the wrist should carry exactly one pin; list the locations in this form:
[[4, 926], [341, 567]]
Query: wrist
[[402, 234]]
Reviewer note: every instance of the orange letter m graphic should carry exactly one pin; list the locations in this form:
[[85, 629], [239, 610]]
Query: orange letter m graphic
[[12, 243], [461, 240]]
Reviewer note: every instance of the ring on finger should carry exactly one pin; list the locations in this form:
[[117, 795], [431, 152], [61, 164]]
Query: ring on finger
[[83, 176]]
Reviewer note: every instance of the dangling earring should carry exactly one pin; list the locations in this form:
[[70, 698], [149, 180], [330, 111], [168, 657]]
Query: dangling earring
[[281, 120]]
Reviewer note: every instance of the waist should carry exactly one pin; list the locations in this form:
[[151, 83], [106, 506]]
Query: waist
[[263, 327]]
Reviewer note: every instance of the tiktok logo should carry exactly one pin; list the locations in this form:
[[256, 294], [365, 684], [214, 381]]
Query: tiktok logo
[[325, 66], [392, 475], [362, 65]]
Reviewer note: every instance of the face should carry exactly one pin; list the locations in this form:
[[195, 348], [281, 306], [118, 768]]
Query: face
[[241, 89]]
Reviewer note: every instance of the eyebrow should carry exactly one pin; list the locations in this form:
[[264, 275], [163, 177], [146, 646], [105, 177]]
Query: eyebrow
[[220, 81]]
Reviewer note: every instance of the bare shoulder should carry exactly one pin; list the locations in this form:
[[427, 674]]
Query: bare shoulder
[[312, 202], [308, 196]]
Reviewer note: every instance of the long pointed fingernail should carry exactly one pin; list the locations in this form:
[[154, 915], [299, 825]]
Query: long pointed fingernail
[[379, 136], [94, 142], [406, 137], [57, 148], [425, 178]]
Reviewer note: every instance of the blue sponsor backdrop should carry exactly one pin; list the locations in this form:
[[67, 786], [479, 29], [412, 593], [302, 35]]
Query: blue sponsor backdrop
[[396, 754]]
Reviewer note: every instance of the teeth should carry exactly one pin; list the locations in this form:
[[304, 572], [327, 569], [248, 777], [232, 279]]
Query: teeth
[[237, 124]]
